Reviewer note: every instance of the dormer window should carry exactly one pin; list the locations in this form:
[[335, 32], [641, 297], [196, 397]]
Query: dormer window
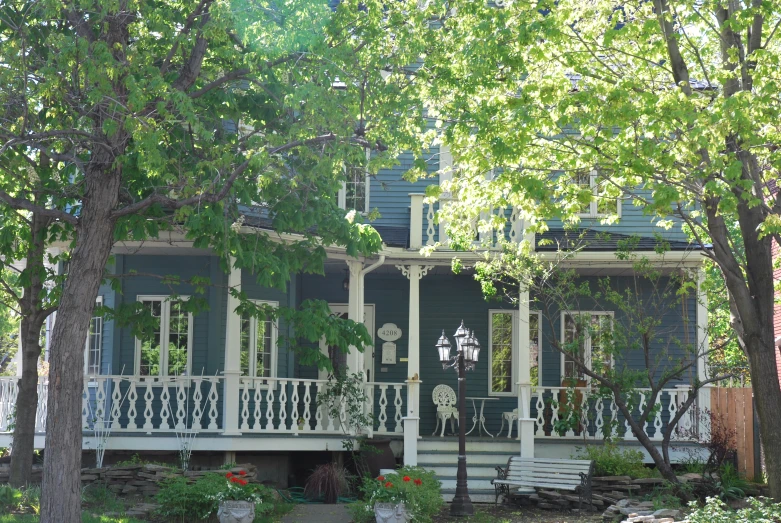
[[354, 194], [602, 203]]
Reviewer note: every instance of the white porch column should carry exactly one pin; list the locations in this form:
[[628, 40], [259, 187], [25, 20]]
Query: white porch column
[[355, 312], [412, 420], [703, 344], [232, 367], [525, 421]]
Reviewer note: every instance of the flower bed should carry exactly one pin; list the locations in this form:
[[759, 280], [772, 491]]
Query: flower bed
[[417, 488]]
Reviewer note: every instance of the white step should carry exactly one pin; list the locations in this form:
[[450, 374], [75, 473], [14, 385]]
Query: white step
[[428, 460], [495, 446], [471, 471], [477, 496], [472, 483]]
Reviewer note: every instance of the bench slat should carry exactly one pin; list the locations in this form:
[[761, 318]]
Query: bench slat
[[543, 475], [561, 468], [531, 484]]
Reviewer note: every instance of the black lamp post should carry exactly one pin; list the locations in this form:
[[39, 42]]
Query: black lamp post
[[467, 352]]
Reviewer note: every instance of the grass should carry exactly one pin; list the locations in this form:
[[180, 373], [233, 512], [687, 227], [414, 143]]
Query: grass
[[85, 518]]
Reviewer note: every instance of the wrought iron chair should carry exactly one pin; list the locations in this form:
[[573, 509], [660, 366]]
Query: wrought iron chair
[[445, 399]]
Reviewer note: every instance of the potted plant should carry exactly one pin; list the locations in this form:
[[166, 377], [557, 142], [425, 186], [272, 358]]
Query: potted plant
[[407, 494], [238, 499]]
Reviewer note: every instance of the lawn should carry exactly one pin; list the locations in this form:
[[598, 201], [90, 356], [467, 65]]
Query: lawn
[[85, 518]]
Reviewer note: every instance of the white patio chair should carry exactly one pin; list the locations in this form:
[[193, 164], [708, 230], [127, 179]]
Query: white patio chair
[[511, 418], [445, 400]]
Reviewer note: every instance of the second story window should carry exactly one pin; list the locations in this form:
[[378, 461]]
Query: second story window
[[603, 200], [354, 194], [167, 351]]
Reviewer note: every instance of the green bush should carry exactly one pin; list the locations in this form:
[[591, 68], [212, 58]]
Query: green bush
[[10, 498], [417, 488], [182, 500], [609, 460], [715, 511]]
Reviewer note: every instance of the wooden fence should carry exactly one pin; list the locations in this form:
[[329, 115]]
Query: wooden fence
[[735, 407]]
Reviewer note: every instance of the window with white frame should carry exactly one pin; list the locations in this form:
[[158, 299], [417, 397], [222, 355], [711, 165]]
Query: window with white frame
[[587, 336], [259, 344], [354, 194], [93, 348], [167, 350], [503, 351], [604, 201]]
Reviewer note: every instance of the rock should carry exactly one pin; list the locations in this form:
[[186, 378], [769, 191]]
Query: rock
[[550, 494], [665, 520], [644, 504], [667, 513], [623, 503], [648, 481], [611, 479], [545, 506], [88, 477]]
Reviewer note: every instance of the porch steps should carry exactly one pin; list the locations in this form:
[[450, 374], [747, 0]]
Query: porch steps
[[482, 456]]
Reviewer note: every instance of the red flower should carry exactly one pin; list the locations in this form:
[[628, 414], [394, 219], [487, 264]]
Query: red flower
[[242, 482], [380, 478], [389, 484], [242, 473], [229, 475], [406, 478], [234, 479], [418, 481]]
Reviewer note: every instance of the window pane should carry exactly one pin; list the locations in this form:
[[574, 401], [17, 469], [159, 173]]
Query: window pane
[[178, 333], [501, 352], [585, 193], [95, 345], [534, 348], [263, 354], [601, 340], [150, 347], [244, 343], [607, 200], [355, 189], [574, 344]]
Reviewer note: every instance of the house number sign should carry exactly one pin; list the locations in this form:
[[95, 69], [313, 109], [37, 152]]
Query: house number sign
[[389, 332]]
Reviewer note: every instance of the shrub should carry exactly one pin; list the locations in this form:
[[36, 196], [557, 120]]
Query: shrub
[[10, 498], [329, 481], [730, 484], [417, 488], [182, 500], [609, 460], [715, 511]]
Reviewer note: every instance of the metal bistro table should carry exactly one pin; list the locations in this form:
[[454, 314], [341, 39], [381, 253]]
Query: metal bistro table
[[479, 421]]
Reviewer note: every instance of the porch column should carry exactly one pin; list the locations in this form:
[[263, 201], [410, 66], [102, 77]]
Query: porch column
[[412, 420], [355, 312], [703, 344], [232, 366], [525, 421]]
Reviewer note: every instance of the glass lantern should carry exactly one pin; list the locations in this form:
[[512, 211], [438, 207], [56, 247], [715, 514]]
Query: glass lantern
[[443, 347], [460, 335]]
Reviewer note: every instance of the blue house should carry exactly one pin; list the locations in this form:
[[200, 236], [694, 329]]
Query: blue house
[[228, 383]]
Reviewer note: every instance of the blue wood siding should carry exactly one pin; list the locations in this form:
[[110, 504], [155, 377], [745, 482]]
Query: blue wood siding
[[389, 191]]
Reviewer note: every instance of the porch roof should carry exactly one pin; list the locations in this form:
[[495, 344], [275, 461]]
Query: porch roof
[[591, 240]]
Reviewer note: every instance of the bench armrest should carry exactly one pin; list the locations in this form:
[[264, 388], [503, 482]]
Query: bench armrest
[[501, 473]]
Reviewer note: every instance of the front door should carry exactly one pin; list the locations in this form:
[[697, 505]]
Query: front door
[[337, 357]]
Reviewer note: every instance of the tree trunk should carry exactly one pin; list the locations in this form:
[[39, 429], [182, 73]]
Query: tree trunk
[[61, 495], [26, 407], [33, 316]]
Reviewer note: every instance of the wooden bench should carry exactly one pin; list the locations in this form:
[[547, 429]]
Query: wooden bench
[[564, 474]]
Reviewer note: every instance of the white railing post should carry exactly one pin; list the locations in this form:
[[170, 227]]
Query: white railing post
[[704, 393], [525, 421], [416, 220], [232, 365]]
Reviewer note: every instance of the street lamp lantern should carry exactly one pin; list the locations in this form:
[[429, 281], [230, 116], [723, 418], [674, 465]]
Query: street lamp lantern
[[465, 358], [443, 347]]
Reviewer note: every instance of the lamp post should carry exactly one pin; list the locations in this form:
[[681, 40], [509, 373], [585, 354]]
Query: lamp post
[[467, 352]]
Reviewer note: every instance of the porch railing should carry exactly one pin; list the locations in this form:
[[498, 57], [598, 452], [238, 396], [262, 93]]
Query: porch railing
[[562, 412], [170, 404]]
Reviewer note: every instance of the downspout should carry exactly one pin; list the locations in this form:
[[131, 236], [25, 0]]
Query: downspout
[[373, 266]]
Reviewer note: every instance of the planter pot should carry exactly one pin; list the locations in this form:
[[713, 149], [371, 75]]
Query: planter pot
[[382, 458], [236, 512], [391, 513]]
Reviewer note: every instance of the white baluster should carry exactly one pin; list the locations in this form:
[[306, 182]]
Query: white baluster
[[213, 398], [132, 398], [673, 410], [182, 390], [148, 411], [513, 225], [430, 224], [257, 413], [270, 405], [116, 403], [599, 421], [540, 406], [397, 402], [245, 404], [307, 405], [197, 404], [658, 418], [584, 408], [165, 408], [282, 405], [85, 408], [319, 410], [43, 400], [383, 417], [294, 402], [554, 410], [571, 406]]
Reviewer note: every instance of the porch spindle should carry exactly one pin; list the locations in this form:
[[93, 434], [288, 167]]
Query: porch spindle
[[282, 405], [165, 410], [148, 411], [132, 414], [245, 404], [270, 405], [257, 413], [383, 416], [307, 406], [398, 402], [294, 403], [213, 397]]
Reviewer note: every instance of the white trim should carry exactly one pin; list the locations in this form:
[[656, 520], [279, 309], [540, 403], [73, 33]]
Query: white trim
[[594, 204], [253, 342], [165, 319], [587, 337], [342, 194], [515, 325]]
